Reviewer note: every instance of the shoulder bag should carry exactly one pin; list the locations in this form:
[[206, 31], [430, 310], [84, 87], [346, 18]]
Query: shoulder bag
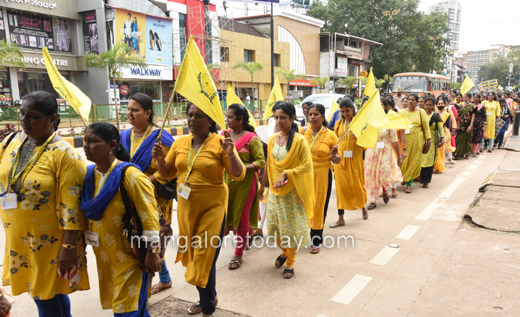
[[426, 146], [133, 228], [167, 191]]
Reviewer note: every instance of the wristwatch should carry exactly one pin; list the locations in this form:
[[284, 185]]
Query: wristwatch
[[155, 250], [69, 246]]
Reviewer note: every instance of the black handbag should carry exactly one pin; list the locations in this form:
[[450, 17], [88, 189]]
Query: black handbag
[[167, 191]]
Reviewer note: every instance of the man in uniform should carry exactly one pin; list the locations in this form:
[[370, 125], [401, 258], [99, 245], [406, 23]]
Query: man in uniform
[[398, 97]]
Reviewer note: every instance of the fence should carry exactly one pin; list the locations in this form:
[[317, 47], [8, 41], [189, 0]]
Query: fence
[[69, 118]]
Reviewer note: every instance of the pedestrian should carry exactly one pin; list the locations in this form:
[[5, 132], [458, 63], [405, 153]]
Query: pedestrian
[[138, 142], [404, 103], [492, 113], [382, 167], [243, 203], [398, 97], [199, 160], [42, 177], [420, 102], [437, 136], [464, 133], [417, 138], [446, 149], [349, 173], [291, 188], [321, 142], [505, 114], [305, 110], [123, 285], [479, 126]]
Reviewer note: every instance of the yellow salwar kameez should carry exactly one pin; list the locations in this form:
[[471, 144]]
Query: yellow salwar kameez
[[320, 150], [120, 278], [48, 204], [492, 112], [200, 217], [411, 167], [441, 152], [349, 173], [165, 205]]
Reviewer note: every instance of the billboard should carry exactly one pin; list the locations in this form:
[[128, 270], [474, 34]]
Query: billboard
[[90, 32], [31, 30], [146, 35]]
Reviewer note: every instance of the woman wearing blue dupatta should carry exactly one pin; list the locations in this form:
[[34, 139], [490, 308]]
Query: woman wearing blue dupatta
[[139, 142], [123, 285]]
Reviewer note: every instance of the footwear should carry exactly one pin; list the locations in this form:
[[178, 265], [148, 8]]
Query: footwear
[[394, 193], [196, 309], [386, 198], [408, 190], [157, 41], [478, 153], [280, 260], [335, 225], [452, 162], [424, 186], [403, 183], [489, 151], [371, 206], [315, 250], [288, 273], [159, 287], [234, 264], [365, 215]]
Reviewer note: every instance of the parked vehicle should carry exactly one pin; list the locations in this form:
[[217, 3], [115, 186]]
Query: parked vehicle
[[325, 99]]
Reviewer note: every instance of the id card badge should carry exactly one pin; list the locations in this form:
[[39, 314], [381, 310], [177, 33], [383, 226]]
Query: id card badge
[[490, 113], [347, 154], [9, 201], [184, 191], [407, 131], [380, 145], [92, 238]]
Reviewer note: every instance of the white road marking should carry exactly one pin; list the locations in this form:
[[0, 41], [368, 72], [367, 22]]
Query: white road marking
[[432, 207], [477, 162], [466, 173], [351, 289], [481, 157], [472, 167], [407, 232], [384, 256]]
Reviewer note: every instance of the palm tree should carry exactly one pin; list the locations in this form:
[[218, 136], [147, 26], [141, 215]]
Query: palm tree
[[290, 75], [10, 55], [251, 68], [347, 81], [320, 81], [115, 59]]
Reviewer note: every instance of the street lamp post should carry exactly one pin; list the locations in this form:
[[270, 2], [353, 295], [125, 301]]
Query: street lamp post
[[390, 14], [433, 39]]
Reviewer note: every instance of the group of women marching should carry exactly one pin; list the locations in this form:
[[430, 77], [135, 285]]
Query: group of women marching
[[52, 204]]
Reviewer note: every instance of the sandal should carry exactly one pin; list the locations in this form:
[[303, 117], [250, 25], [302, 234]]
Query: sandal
[[371, 206], [408, 190], [288, 273], [365, 215], [197, 309], [234, 264], [159, 287], [280, 260], [315, 250], [424, 186], [335, 225], [396, 194], [386, 198]]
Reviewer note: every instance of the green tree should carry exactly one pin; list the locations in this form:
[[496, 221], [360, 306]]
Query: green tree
[[455, 86], [251, 68], [10, 55], [290, 75], [348, 81], [320, 81], [499, 69], [115, 59], [411, 50]]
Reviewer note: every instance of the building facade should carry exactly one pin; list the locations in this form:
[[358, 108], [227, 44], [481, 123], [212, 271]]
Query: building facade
[[477, 59]]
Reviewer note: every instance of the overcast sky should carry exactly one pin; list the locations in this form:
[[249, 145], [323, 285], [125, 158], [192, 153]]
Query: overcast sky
[[484, 23]]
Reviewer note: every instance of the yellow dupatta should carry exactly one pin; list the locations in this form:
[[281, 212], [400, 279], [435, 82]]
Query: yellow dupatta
[[298, 167]]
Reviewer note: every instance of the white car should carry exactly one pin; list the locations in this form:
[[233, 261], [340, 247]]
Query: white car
[[325, 99]]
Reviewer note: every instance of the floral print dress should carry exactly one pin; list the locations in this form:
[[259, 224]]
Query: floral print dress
[[48, 204]]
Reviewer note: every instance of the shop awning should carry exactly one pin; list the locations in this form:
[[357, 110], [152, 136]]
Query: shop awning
[[302, 83]]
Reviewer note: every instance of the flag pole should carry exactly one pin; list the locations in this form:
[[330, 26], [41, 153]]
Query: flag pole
[[342, 136], [164, 121]]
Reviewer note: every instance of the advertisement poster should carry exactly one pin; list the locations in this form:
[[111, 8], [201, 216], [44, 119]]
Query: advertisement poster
[[159, 44], [62, 34], [130, 27], [29, 30], [90, 32]]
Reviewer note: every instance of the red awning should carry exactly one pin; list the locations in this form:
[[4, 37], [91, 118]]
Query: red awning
[[302, 82]]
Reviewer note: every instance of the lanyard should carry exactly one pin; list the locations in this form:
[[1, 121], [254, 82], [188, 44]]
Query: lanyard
[[32, 161], [140, 140], [190, 162], [314, 137], [348, 134], [104, 177]]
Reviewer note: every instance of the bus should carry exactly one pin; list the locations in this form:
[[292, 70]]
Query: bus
[[420, 83]]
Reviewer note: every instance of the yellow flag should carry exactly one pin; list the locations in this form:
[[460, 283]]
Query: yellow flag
[[466, 85], [74, 96], [232, 98], [396, 121], [335, 106], [370, 86], [276, 95], [195, 84], [369, 120]]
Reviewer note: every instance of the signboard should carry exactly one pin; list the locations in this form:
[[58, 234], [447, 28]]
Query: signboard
[[342, 62], [90, 32], [155, 72], [302, 83], [58, 8], [159, 44], [62, 34], [64, 62], [340, 72], [489, 84]]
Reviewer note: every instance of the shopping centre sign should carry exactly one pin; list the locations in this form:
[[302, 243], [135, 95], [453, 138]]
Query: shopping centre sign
[[157, 72], [36, 3]]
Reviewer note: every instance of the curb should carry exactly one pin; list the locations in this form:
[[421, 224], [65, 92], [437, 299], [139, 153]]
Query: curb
[[77, 141]]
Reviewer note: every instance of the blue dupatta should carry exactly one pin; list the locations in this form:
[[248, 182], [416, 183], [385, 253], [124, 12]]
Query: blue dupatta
[[143, 156], [94, 207]]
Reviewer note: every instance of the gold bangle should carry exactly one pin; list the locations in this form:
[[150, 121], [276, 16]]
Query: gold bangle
[[69, 246]]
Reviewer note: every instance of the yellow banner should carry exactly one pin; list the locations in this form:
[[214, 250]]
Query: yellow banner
[[367, 123], [467, 85], [370, 87], [276, 95]]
